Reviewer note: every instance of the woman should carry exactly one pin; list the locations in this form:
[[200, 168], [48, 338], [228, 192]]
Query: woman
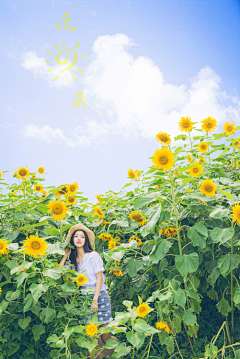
[[83, 257]]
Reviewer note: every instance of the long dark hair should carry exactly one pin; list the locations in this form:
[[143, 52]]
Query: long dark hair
[[87, 248]]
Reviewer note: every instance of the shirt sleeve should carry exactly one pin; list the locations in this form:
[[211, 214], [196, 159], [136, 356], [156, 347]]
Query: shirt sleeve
[[97, 263], [68, 266]]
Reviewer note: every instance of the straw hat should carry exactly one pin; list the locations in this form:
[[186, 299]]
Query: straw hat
[[78, 226]]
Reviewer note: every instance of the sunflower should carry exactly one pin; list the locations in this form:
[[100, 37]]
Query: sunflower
[[170, 232], [176, 173], [131, 174], [209, 124], [189, 158], [161, 325], [72, 188], [203, 147], [81, 279], [103, 223], [23, 173], [44, 193], [105, 237], [201, 160], [137, 174], [71, 201], [208, 187], [58, 209], [34, 175], [139, 242], [137, 217], [91, 329], [164, 138], [0, 290], [3, 247], [98, 212], [236, 213], [229, 128], [0, 174], [111, 244], [236, 143], [163, 159], [196, 169], [143, 310], [99, 198], [185, 124], [62, 192], [117, 272], [35, 246], [41, 170], [38, 188], [117, 240]]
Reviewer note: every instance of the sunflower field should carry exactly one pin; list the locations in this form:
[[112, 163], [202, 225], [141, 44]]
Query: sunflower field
[[170, 242]]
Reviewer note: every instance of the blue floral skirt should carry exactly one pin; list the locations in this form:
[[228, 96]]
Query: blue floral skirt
[[104, 312]]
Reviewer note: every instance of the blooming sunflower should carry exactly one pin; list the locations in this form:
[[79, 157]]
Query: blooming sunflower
[[0, 174], [161, 325], [229, 128], [196, 169], [34, 175], [185, 124], [81, 279], [22, 173], [58, 209], [62, 192], [139, 242], [111, 244], [208, 187], [41, 170], [131, 174], [236, 213], [35, 246], [137, 217], [72, 188], [117, 240], [98, 196], [106, 237], [98, 212], [38, 188], [103, 223], [91, 329], [137, 174], [201, 160], [236, 143], [164, 138], [209, 124], [117, 272], [203, 147], [163, 159], [3, 247], [71, 201], [189, 158], [143, 310]]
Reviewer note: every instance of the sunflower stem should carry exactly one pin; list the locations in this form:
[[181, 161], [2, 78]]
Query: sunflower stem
[[232, 306], [176, 216], [60, 225], [190, 139], [189, 339]]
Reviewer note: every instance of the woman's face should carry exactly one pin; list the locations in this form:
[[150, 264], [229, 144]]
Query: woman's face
[[79, 239]]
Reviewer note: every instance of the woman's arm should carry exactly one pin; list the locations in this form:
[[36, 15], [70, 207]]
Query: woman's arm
[[97, 291], [64, 258]]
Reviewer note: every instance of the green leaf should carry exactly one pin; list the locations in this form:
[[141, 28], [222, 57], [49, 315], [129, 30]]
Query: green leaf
[[117, 256], [237, 354], [38, 330], [145, 199], [14, 349], [223, 307], [136, 339], [133, 267], [212, 294], [187, 263], [188, 317], [48, 314], [151, 223], [21, 277], [236, 297], [127, 303], [111, 344], [52, 231], [38, 289], [225, 193], [89, 346], [20, 216], [43, 223], [215, 273], [219, 213], [29, 302], [210, 351], [54, 273], [11, 264], [222, 235], [141, 326], [55, 248], [10, 296], [3, 306], [140, 281], [23, 323], [197, 238], [160, 250], [227, 263], [122, 351], [180, 298], [24, 265], [187, 180]]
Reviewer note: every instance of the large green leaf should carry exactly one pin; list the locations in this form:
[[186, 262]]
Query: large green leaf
[[136, 339], [21, 277], [145, 199], [223, 307], [237, 296], [11, 296], [219, 213], [215, 273], [55, 248], [54, 273], [187, 263], [142, 326], [222, 235], [38, 289], [133, 267], [180, 297], [151, 223], [198, 234], [48, 314], [24, 265], [23, 323], [140, 281], [29, 302], [160, 250], [227, 263], [122, 351], [38, 330], [189, 317]]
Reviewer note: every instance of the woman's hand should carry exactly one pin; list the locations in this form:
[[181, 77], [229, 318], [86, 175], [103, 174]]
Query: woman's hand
[[67, 252], [94, 305]]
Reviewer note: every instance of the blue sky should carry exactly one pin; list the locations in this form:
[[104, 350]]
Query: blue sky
[[150, 62]]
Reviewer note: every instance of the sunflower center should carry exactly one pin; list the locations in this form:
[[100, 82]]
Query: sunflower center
[[195, 170], [57, 209], [208, 188], [142, 309], [163, 160], [229, 128], [71, 199], [137, 217], [1, 246], [186, 124], [23, 172], [35, 245], [72, 188], [164, 138], [203, 147], [209, 125], [38, 188]]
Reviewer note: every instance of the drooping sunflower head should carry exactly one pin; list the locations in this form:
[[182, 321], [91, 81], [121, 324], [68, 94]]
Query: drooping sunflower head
[[236, 143], [98, 196], [41, 170], [143, 310], [71, 201], [131, 174], [139, 242], [117, 272], [201, 160], [81, 279], [22, 173], [163, 159], [208, 187], [203, 147], [236, 213], [209, 124], [98, 212], [229, 128], [62, 191], [170, 232], [35, 246], [189, 158], [58, 209], [164, 326], [164, 138], [195, 170], [3, 247], [185, 124], [105, 237], [91, 329], [38, 188], [73, 188], [138, 217]]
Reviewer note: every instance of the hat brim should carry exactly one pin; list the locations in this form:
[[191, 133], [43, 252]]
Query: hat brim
[[79, 226]]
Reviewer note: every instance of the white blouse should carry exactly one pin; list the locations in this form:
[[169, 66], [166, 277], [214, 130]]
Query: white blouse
[[92, 263]]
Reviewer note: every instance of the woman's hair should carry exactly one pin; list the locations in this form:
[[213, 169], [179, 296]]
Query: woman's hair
[[87, 248]]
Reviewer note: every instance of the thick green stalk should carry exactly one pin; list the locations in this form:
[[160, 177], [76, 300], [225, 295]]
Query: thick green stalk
[[176, 216], [189, 339], [60, 225], [228, 332], [232, 305]]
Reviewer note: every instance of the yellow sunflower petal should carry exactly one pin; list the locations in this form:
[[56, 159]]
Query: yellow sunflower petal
[[163, 159]]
